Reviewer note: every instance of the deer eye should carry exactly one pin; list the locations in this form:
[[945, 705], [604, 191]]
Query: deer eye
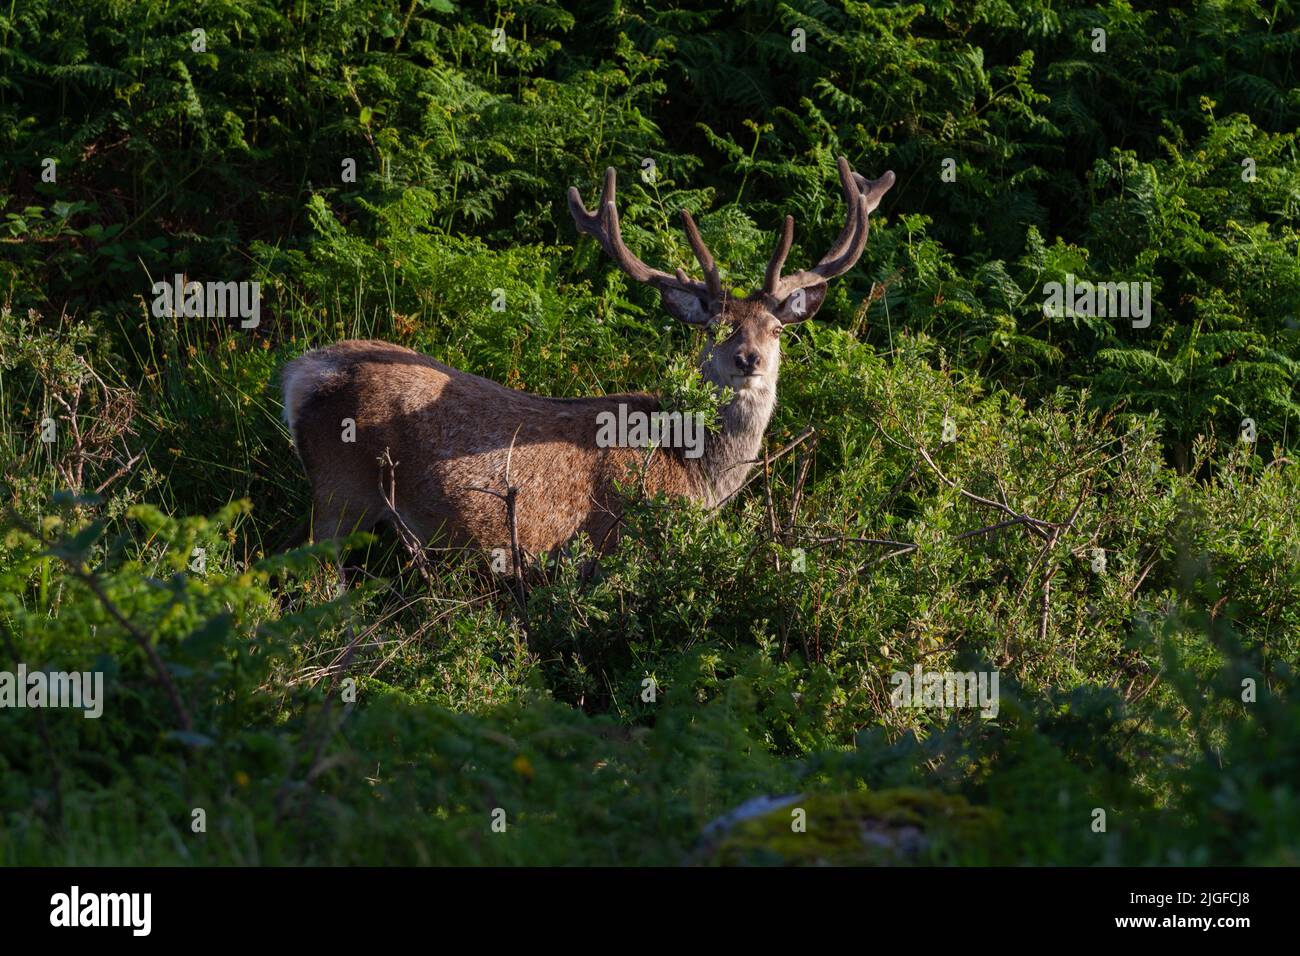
[[776, 332]]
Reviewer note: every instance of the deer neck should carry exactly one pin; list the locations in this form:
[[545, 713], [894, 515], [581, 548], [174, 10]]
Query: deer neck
[[729, 454]]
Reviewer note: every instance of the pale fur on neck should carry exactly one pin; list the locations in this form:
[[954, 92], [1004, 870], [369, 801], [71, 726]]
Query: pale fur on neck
[[729, 454]]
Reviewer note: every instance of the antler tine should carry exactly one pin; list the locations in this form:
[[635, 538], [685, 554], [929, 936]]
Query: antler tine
[[840, 259], [609, 186], [784, 240], [603, 226], [611, 238], [712, 280], [861, 195], [852, 223], [852, 189]]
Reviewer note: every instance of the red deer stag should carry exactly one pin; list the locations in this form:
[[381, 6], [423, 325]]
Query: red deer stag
[[454, 434]]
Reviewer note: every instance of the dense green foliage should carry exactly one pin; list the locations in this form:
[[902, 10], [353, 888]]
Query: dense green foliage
[[770, 630]]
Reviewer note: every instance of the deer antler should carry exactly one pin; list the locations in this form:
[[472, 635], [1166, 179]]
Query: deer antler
[[602, 225], [861, 196]]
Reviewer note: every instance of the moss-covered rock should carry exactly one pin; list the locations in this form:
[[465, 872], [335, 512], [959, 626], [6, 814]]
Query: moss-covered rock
[[887, 827]]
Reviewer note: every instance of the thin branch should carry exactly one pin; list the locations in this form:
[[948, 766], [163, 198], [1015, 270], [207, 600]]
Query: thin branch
[[510, 498], [841, 539], [408, 538], [806, 433], [160, 668], [801, 476], [1036, 525]]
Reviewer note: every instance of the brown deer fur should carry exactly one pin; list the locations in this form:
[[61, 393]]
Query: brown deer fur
[[450, 432]]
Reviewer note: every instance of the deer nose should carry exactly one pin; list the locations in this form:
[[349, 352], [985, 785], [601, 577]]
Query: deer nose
[[747, 361]]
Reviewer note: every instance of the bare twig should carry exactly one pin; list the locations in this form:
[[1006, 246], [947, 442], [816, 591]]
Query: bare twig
[[885, 557], [906, 547], [160, 668], [1142, 575], [989, 529], [404, 532], [767, 490], [1036, 525], [1047, 603], [126, 467], [510, 497], [801, 476], [1058, 531], [843, 539], [795, 443]]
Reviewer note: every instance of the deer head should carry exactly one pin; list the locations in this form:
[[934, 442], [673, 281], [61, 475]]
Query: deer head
[[748, 356]]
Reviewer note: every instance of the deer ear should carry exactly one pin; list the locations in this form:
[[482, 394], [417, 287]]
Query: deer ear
[[801, 304], [685, 306]]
